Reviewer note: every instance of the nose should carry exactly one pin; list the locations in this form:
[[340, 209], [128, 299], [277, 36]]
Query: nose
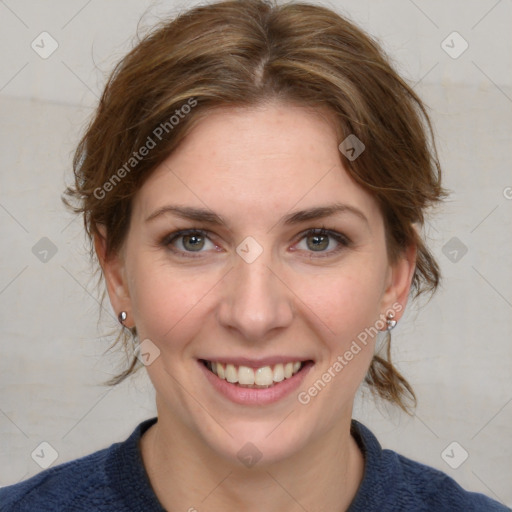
[[256, 301]]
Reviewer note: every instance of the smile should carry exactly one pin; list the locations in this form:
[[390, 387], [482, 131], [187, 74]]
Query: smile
[[255, 378]]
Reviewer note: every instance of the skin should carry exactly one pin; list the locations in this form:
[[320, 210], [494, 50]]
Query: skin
[[253, 167]]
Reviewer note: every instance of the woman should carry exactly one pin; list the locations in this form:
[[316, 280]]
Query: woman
[[254, 183]]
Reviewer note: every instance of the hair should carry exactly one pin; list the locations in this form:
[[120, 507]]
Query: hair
[[242, 54]]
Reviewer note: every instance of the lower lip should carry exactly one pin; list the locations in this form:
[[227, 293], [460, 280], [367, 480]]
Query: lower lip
[[255, 396]]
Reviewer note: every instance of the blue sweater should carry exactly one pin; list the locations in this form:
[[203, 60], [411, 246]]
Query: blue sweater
[[114, 480]]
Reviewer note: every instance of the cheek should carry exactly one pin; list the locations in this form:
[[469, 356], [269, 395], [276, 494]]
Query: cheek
[[167, 304], [346, 301]]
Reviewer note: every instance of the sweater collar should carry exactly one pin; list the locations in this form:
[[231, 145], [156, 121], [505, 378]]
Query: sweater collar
[[378, 477], [128, 476]]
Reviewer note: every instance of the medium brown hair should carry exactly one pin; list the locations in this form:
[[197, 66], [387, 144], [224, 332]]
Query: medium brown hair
[[240, 54]]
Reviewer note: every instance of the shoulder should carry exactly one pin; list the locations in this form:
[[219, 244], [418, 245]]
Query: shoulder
[[74, 485], [434, 489], [110, 479], [393, 482]]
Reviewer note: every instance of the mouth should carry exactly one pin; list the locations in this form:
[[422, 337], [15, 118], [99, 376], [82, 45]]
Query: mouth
[[263, 377]]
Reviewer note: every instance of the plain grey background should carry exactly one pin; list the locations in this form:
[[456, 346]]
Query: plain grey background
[[456, 352]]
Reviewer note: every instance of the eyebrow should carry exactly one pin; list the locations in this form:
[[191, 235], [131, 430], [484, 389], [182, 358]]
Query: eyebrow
[[207, 216]]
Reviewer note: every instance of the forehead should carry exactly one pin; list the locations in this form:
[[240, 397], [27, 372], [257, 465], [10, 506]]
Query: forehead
[[260, 160]]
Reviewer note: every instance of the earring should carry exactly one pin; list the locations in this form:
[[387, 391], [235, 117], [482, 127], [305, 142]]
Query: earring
[[122, 317], [391, 323]]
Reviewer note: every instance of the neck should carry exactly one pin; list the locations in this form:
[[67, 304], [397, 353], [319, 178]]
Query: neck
[[186, 474]]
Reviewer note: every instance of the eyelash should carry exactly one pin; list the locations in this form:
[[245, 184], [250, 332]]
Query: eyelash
[[342, 240]]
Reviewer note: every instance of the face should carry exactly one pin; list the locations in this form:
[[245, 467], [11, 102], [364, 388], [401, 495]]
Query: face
[[251, 246]]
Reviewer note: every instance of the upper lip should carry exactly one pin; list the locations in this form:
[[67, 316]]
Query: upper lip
[[256, 363]]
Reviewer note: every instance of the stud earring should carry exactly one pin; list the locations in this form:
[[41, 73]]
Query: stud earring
[[122, 317], [391, 322]]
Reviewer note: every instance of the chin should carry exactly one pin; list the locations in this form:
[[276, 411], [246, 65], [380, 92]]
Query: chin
[[257, 443]]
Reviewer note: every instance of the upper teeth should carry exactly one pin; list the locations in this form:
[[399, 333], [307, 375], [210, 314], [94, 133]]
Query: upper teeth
[[264, 376]]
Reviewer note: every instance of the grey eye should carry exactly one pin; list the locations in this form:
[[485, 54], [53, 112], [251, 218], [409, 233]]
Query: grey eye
[[193, 242], [317, 242]]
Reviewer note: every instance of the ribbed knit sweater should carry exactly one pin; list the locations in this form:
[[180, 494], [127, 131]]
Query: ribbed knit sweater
[[114, 480]]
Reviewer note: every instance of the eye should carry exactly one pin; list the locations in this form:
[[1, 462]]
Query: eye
[[193, 242], [188, 241], [321, 240]]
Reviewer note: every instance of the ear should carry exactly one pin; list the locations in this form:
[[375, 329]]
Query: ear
[[399, 282], [113, 268]]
